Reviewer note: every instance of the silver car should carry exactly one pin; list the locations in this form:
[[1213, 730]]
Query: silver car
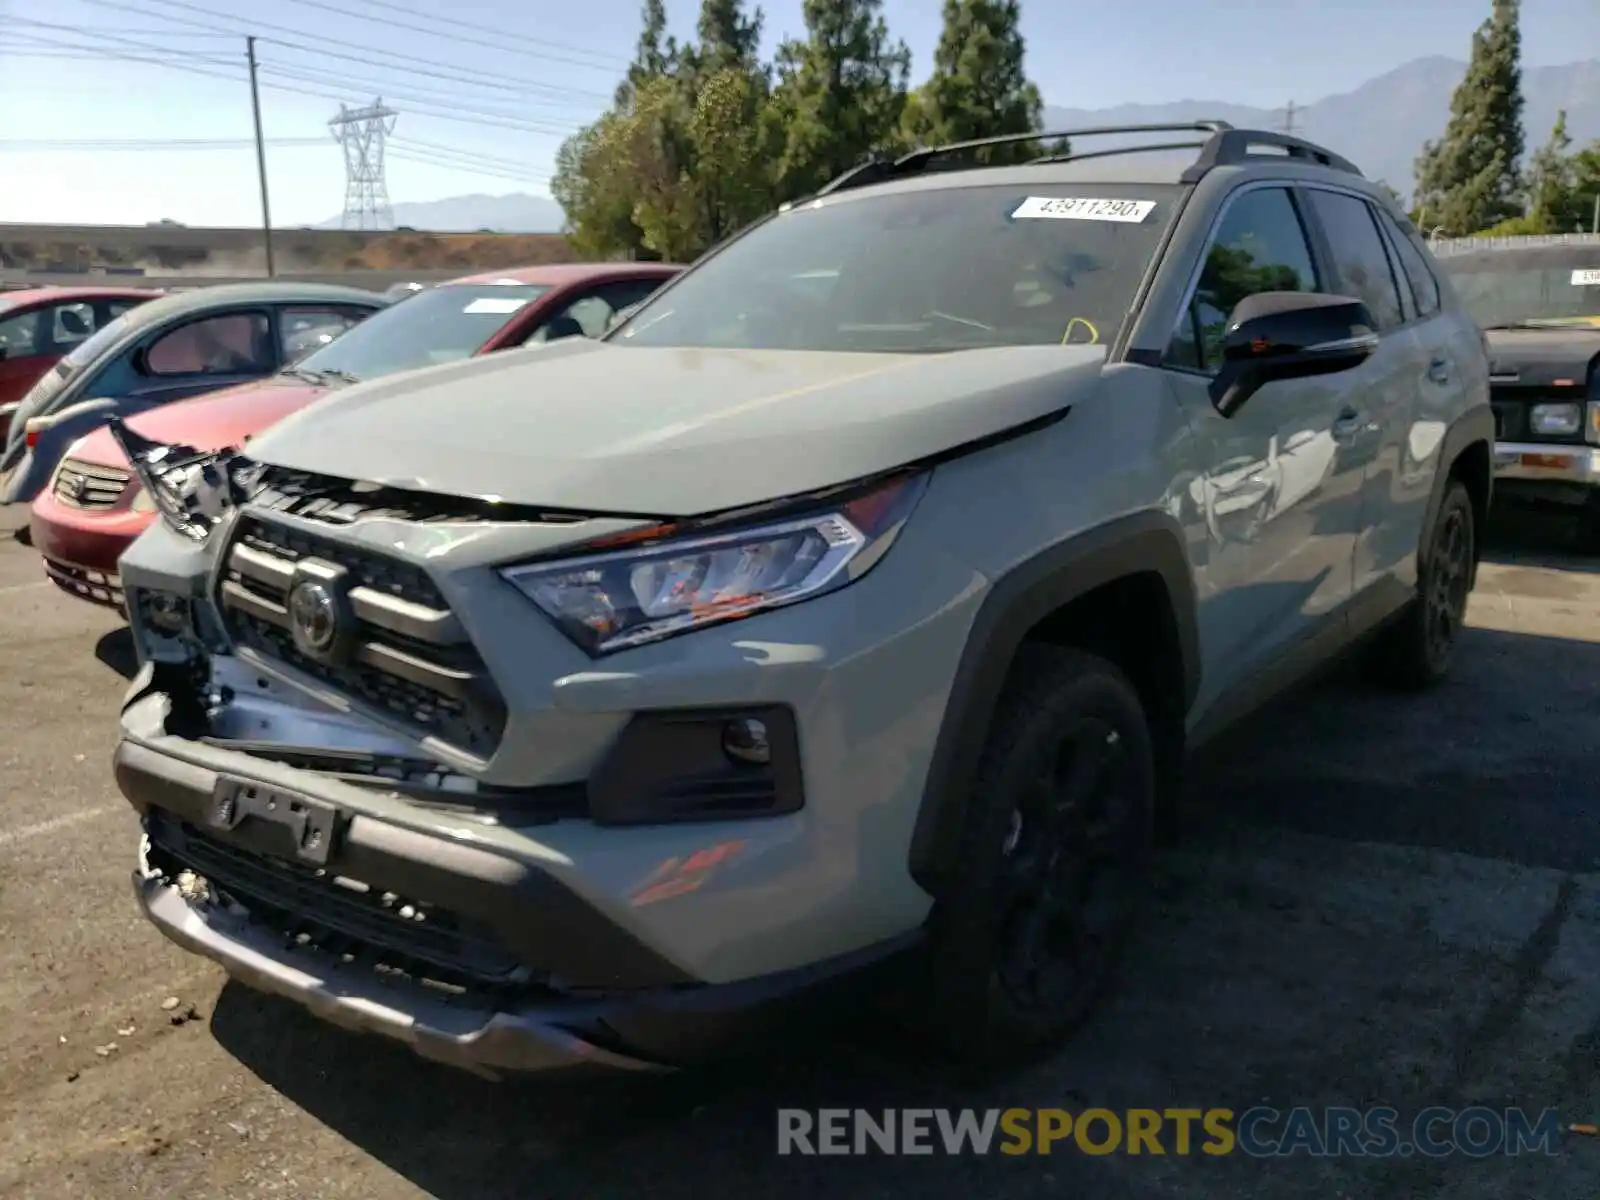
[[556, 708]]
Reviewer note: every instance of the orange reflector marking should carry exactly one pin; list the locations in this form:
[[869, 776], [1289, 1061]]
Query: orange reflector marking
[[1547, 460]]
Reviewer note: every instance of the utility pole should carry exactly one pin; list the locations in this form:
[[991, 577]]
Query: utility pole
[[261, 154], [1288, 118]]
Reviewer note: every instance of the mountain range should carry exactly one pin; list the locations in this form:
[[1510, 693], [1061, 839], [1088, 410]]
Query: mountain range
[[1381, 126], [515, 212]]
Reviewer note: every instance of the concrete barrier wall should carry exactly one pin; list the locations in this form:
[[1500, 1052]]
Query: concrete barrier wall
[[375, 280]]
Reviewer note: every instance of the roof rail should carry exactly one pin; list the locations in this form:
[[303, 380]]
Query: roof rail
[[878, 170], [1231, 146], [1226, 146]]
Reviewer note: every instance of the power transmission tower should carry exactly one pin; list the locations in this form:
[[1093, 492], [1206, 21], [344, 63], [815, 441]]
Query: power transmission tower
[[363, 132], [1288, 117]]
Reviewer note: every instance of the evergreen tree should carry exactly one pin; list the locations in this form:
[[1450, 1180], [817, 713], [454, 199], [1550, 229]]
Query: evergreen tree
[[656, 53], [1550, 182], [978, 87], [840, 94], [728, 37], [1468, 179]]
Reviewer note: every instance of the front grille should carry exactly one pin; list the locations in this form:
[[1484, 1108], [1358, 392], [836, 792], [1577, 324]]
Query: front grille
[[406, 655], [89, 485], [318, 911], [97, 587], [1511, 406]]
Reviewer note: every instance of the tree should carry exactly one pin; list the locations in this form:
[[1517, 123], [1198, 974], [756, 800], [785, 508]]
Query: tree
[[839, 97], [1550, 182], [1468, 179], [656, 53], [728, 37], [590, 183], [978, 87]]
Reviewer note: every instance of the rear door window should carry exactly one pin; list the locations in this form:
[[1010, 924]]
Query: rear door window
[[71, 324], [227, 344], [1419, 276]]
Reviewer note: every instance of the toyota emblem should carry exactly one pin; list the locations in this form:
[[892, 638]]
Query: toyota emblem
[[313, 616]]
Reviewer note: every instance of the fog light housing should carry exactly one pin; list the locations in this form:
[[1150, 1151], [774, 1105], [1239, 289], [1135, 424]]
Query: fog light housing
[[745, 740], [167, 613], [709, 764]]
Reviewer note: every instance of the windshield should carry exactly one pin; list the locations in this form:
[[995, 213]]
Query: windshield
[[436, 326], [920, 271], [1551, 285]]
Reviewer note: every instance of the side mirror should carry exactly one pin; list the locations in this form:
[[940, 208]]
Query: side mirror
[[1289, 335]]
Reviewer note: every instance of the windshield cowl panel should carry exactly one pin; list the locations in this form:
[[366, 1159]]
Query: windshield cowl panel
[[921, 271]]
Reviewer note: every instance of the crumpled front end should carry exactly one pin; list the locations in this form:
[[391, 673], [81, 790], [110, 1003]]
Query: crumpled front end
[[375, 777]]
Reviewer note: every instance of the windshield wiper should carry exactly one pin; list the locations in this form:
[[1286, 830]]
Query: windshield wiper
[[321, 378]]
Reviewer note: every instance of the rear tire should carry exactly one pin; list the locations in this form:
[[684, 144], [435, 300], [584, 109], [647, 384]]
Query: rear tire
[[1418, 650], [1054, 857]]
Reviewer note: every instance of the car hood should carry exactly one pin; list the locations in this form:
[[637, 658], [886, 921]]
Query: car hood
[[209, 422], [600, 428], [1541, 357]]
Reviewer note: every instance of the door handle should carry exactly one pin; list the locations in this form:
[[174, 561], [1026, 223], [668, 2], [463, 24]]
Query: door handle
[[1439, 371], [1347, 424]]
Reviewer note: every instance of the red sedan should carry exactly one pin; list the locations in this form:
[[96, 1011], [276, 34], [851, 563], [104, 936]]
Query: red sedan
[[92, 509], [39, 326]]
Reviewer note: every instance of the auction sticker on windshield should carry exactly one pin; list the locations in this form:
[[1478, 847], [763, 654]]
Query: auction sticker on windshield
[[1081, 208], [1586, 278], [494, 304]]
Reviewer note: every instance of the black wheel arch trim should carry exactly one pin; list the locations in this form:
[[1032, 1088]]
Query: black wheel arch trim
[[1472, 427], [1138, 544]]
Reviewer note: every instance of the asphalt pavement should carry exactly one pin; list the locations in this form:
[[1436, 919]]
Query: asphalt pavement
[[1381, 900]]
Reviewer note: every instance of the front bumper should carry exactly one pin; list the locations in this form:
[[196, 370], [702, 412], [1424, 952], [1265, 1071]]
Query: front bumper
[[1547, 471], [81, 547], [656, 1019]]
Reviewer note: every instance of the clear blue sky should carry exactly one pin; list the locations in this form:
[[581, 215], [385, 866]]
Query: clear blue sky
[[487, 88]]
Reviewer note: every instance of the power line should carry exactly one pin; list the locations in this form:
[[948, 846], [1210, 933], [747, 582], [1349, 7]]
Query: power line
[[367, 51], [612, 63], [46, 145], [417, 96], [503, 34], [423, 66], [347, 88]]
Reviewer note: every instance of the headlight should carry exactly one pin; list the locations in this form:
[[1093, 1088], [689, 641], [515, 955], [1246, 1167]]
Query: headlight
[[1555, 420], [610, 601]]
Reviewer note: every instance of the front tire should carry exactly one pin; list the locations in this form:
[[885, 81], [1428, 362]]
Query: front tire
[[1418, 650], [1054, 858]]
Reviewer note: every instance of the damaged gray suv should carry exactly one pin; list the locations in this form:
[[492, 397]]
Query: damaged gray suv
[[855, 600]]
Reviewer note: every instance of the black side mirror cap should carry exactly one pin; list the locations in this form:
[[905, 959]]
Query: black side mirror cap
[[1289, 335]]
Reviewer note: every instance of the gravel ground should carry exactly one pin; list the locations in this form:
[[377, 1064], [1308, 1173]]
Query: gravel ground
[[1382, 901]]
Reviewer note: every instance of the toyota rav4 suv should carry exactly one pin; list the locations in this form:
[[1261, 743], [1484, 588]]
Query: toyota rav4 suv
[[860, 593]]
